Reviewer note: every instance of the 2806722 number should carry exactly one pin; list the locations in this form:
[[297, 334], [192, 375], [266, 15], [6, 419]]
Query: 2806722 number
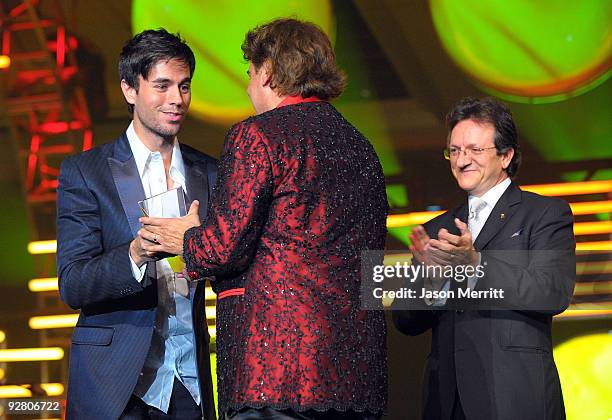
[[32, 406]]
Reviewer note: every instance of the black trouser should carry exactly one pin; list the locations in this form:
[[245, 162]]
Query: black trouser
[[182, 407], [272, 414], [458, 413]]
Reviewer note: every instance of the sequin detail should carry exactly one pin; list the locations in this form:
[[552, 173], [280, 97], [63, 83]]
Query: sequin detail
[[300, 195]]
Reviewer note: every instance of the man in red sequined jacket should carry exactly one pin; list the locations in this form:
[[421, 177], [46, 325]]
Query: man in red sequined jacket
[[300, 194]]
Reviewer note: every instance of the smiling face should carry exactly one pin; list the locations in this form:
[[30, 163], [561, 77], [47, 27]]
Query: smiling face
[[161, 101], [477, 174]]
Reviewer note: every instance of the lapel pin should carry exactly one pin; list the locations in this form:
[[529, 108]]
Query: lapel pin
[[502, 216]]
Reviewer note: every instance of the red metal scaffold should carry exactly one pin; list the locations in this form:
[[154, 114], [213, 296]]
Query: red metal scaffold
[[45, 103]]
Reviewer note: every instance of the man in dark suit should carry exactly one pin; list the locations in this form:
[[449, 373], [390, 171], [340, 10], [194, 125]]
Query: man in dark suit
[[493, 364], [140, 347]]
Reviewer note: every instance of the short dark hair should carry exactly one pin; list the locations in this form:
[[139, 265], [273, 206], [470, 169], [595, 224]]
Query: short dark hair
[[300, 57], [496, 113], [147, 48]]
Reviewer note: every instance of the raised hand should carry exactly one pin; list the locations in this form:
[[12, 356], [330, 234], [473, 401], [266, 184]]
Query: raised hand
[[419, 247], [451, 249]]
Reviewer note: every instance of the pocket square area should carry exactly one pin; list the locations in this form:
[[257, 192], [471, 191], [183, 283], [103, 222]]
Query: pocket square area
[[517, 233]]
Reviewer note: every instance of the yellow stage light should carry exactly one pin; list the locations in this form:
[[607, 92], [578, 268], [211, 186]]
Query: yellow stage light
[[409, 219], [53, 389], [14, 391], [53, 321], [593, 207], [5, 61], [213, 371], [594, 246], [570, 188], [2, 373], [2, 336], [47, 284], [573, 313], [592, 228], [209, 294], [23, 391], [594, 267], [211, 312], [31, 354], [593, 288], [42, 247]]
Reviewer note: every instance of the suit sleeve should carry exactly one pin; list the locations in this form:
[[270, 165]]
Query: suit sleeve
[[415, 322], [87, 273], [227, 241], [545, 284]]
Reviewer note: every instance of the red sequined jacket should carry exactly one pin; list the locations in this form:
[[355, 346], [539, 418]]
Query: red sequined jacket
[[300, 194]]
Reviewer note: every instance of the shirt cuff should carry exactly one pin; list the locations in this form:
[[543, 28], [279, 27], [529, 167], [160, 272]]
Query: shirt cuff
[[137, 272], [436, 301]]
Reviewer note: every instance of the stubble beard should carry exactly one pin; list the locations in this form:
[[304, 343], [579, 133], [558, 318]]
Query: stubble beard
[[166, 133]]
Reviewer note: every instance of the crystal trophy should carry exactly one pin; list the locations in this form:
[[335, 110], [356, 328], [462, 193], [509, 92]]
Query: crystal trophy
[[171, 203]]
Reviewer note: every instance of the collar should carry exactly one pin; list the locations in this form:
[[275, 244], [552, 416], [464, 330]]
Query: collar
[[142, 156], [292, 100], [492, 196]]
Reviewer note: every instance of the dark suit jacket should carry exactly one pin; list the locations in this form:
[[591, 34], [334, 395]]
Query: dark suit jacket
[[500, 361], [97, 218]]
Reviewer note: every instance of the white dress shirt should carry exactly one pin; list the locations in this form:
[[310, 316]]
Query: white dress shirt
[[491, 198], [172, 351]]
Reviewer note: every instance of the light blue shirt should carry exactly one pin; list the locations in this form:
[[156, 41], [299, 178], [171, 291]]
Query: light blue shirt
[[172, 351]]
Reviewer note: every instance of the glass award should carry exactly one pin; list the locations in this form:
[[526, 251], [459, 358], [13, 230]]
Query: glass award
[[171, 203]]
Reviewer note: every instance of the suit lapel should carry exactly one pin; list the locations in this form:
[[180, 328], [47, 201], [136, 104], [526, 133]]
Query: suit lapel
[[129, 187], [502, 212], [196, 180], [460, 213], [127, 181]]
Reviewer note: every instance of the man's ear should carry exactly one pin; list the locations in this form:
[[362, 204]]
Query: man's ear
[[507, 158], [129, 92], [266, 77]]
